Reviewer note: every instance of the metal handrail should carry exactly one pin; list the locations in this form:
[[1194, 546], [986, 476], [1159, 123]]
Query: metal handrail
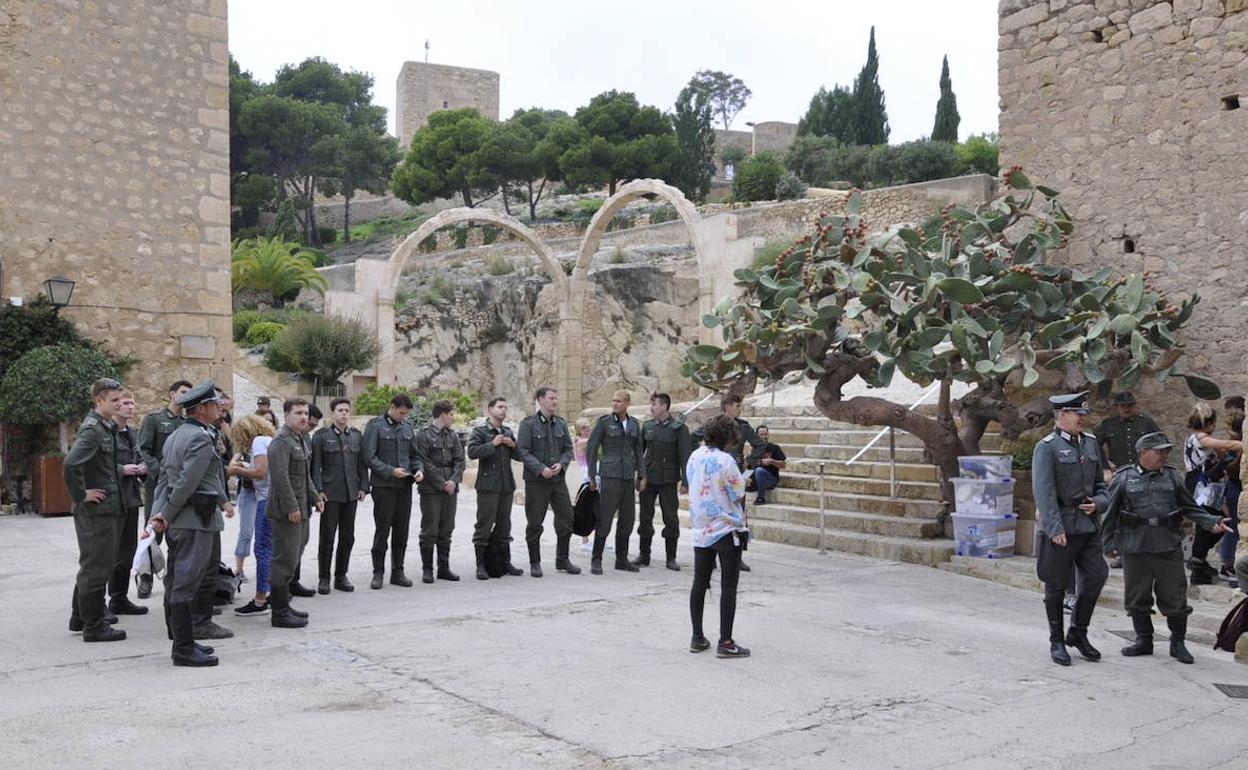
[[823, 512]]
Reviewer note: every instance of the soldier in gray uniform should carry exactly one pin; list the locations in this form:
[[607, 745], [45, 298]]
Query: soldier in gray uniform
[[154, 431], [340, 473], [94, 483], [291, 498], [665, 448], [390, 452], [493, 446], [190, 499], [544, 446], [131, 470], [1117, 435], [617, 437], [1066, 480], [1144, 508], [442, 456]]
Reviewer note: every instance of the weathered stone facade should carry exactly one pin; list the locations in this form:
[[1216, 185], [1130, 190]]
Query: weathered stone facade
[[114, 145], [424, 88], [1131, 109], [772, 135]]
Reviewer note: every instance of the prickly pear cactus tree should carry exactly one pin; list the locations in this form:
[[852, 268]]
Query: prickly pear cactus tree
[[973, 301]]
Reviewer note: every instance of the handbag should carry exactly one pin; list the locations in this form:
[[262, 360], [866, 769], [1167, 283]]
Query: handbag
[[585, 511], [1210, 494]]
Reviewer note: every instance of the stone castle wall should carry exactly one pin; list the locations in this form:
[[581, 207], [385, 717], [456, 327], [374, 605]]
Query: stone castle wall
[[1131, 109], [425, 88], [114, 148]]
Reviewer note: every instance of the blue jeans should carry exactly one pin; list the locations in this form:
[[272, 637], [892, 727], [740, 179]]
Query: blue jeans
[[264, 547], [246, 522], [764, 480], [1230, 539]]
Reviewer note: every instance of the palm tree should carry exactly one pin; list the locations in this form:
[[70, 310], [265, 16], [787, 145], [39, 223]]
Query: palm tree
[[275, 267]]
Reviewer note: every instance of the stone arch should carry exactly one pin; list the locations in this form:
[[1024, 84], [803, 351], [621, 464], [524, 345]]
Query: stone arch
[[628, 193], [454, 216]]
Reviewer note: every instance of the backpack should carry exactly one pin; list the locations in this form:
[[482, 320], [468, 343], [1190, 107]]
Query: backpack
[[1233, 625], [496, 559], [227, 585], [585, 511]]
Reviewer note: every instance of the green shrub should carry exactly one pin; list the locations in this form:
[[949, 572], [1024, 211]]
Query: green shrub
[[436, 289], [733, 154], [244, 319], [375, 399], [461, 237], [621, 221], [663, 214], [32, 325], [429, 244], [328, 234], [263, 332], [925, 160], [465, 402], [978, 154], [619, 256], [757, 177], [497, 264], [323, 348], [790, 188], [489, 234], [1022, 459], [52, 384], [767, 253]]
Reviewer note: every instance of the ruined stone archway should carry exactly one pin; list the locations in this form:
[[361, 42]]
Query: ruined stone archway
[[625, 195]]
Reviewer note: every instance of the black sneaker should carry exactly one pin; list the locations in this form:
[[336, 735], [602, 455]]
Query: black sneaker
[[699, 644], [760, 501], [730, 649], [251, 608]]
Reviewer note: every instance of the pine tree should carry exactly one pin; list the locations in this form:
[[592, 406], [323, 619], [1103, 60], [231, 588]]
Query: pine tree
[[870, 117], [947, 119]]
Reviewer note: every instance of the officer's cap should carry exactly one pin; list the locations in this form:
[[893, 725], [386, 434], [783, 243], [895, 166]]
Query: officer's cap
[[1124, 399], [1155, 440], [203, 393], [1075, 402]]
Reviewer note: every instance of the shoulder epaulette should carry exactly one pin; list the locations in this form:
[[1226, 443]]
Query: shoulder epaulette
[[1122, 468], [1048, 438], [89, 421], [1089, 435]]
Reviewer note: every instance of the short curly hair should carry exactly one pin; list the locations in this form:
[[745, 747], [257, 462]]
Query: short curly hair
[[721, 432]]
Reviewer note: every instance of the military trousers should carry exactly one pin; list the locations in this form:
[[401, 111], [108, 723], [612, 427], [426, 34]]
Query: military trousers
[[1163, 573], [189, 561], [149, 499], [669, 503], [337, 520], [493, 518], [392, 514], [205, 597], [1053, 564], [299, 561], [540, 495], [437, 519], [618, 496], [289, 539], [127, 542], [97, 553]]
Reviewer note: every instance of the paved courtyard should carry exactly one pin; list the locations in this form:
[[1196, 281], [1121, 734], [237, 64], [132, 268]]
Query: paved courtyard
[[857, 663]]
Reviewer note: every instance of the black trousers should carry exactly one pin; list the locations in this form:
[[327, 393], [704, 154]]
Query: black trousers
[[127, 542], [201, 609], [538, 497], [392, 513], [493, 518], [617, 496], [97, 553], [337, 520], [703, 565], [437, 519], [669, 503], [1081, 562], [1144, 573]]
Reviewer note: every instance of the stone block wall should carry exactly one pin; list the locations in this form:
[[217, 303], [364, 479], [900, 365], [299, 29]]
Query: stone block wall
[[1132, 110], [114, 145], [424, 88]]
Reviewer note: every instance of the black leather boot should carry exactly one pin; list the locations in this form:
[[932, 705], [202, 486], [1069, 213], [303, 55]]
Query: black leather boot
[[562, 562], [1178, 633], [379, 571], [535, 558], [643, 553], [509, 568], [671, 554], [444, 564], [201, 607], [426, 564], [1143, 644], [481, 573], [1077, 636], [281, 615], [1057, 646], [185, 651]]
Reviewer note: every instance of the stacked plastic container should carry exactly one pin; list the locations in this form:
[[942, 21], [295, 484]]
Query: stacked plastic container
[[983, 514]]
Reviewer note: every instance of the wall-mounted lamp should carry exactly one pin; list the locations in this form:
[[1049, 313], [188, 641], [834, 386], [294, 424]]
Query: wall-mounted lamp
[[59, 290]]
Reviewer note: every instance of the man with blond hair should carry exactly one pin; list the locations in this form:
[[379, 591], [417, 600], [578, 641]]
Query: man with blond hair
[[614, 453]]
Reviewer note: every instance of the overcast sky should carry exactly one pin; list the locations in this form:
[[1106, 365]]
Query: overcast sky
[[559, 53]]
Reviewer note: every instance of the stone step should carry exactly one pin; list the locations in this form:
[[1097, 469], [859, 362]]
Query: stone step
[[910, 490], [1209, 603], [862, 469], [860, 438], [853, 521], [762, 409], [856, 501], [876, 453], [929, 552]]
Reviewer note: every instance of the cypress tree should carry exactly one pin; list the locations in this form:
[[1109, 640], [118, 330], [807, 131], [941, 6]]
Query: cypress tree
[[870, 119], [947, 119]]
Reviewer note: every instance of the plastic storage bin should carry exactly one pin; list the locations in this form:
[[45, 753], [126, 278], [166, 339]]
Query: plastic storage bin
[[995, 467], [989, 537], [983, 495]]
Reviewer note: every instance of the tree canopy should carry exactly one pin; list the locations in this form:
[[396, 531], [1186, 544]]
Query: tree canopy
[[870, 117], [695, 142], [947, 119], [726, 94], [445, 160]]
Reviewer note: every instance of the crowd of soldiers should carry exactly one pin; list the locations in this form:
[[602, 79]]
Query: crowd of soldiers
[[183, 458]]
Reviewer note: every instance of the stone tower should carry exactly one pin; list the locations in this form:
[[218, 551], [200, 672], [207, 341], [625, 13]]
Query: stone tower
[[424, 88]]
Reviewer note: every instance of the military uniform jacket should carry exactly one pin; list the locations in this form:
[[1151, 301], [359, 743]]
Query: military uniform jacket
[[493, 462], [1139, 507], [737, 450], [338, 467], [1121, 436], [290, 475], [92, 464], [128, 454], [154, 431], [614, 448], [542, 442], [1065, 469], [192, 466], [442, 456], [665, 448], [389, 445]]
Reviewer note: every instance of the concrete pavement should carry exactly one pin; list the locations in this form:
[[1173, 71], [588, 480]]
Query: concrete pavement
[[857, 663]]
